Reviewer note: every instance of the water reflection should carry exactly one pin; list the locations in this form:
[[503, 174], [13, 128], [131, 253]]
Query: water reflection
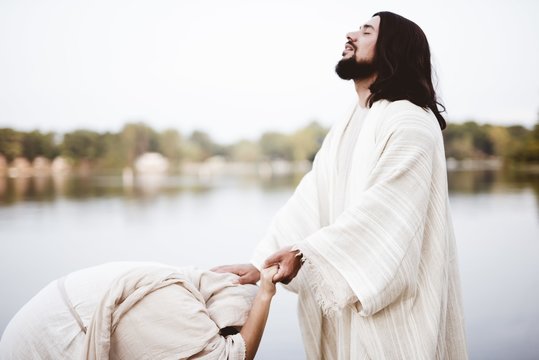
[[489, 181], [13, 190], [204, 222], [47, 188]]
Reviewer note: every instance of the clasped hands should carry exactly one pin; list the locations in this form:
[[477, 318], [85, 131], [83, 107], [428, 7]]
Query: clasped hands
[[288, 261]]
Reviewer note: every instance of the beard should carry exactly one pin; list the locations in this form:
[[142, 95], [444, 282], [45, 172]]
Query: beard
[[350, 69]]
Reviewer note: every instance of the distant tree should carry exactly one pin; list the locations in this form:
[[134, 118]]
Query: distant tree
[[460, 148], [525, 146], [276, 145], [514, 143], [83, 145], [501, 140], [114, 157], [170, 143], [306, 142], [481, 142], [468, 140], [200, 146], [35, 143], [535, 131], [458, 143], [10, 143], [532, 145], [136, 139], [246, 151], [517, 132]]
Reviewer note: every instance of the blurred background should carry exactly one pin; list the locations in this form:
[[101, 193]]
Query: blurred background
[[173, 131]]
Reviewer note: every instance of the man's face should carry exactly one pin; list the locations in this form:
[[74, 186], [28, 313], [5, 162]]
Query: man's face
[[361, 43], [359, 50]]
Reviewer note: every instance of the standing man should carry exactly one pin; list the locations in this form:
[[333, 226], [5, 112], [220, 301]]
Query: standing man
[[370, 226]]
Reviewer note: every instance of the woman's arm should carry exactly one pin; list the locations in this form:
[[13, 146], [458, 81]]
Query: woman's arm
[[253, 328]]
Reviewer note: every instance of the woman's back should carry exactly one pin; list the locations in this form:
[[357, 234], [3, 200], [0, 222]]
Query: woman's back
[[162, 319]]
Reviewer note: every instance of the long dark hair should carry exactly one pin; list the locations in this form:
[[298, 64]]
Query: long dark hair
[[403, 64]]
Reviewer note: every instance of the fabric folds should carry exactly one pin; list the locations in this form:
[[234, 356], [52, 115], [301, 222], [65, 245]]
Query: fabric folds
[[380, 280]]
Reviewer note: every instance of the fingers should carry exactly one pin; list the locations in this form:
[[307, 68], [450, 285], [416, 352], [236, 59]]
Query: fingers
[[222, 269], [277, 257], [273, 270], [285, 274], [270, 262], [248, 273], [242, 280], [250, 277], [273, 260], [281, 274], [234, 269], [268, 273]]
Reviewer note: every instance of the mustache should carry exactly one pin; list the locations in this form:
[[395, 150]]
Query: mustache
[[351, 44]]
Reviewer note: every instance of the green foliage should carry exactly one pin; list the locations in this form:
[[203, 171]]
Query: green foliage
[[114, 157], [137, 139], [27, 144], [307, 141], [170, 143], [83, 145], [468, 140], [275, 145], [10, 143], [514, 143], [303, 144], [245, 151], [200, 146], [501, 140], [526, 147], [35, 143]]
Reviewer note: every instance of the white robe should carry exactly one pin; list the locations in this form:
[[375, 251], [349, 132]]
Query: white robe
[[380, 279], [132, 311]]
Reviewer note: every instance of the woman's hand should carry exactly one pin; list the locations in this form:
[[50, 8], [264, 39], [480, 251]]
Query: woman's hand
[[248, 273], [254, 326], [266, 280]]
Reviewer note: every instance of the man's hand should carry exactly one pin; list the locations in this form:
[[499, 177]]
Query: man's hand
[[289, 264], [248, 273]]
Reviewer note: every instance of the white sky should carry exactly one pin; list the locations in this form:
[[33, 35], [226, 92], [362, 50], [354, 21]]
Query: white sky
[[237, 68]]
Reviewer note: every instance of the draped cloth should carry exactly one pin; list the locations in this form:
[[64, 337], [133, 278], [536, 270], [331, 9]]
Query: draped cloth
[[380, 280], [151, 322], [133, 311]]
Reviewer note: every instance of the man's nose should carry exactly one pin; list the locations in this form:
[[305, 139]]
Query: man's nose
[[351, 36]]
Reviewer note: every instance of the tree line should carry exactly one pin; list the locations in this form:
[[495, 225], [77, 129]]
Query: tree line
[[468, 140], [120, 149]]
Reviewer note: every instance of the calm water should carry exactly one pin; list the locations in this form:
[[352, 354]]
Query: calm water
[[49, 228]]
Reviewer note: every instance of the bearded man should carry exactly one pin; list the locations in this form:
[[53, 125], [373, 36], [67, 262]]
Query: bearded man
[[370, 225]]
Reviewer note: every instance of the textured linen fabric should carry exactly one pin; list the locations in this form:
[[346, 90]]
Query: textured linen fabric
[[380, 279], [133, 311]]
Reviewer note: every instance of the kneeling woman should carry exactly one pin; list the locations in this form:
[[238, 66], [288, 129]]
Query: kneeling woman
[[141, 311]]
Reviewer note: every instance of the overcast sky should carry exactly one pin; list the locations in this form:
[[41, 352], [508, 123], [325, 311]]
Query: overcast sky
[[236, 68]]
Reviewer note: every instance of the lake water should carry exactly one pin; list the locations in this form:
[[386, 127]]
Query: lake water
[[51, 227]]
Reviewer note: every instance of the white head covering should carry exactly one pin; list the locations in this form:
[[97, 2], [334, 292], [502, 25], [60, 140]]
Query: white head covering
[[152, 311]]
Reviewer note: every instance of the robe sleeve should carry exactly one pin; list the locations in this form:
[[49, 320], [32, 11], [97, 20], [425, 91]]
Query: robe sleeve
[[375, 244], [219, 347]]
